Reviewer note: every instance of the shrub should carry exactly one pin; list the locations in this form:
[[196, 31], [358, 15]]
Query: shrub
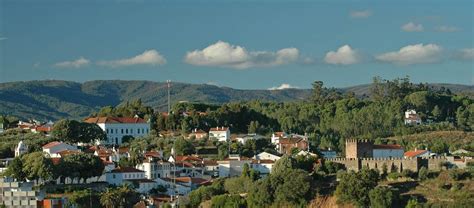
[[393, 176], [422, 174], [234, 201], [381, 197]]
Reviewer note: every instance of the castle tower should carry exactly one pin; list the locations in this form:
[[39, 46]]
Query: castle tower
[[358, 148]]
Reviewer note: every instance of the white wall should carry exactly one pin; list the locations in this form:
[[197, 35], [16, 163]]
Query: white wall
[[115, 131]]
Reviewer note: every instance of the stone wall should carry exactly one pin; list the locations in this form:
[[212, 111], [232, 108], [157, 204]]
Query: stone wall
[[393, 164]]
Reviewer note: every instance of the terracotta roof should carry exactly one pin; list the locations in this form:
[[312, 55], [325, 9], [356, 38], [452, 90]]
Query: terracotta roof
[[189, 179], [68, 152], [219, 129], [414, 153], [188, 158], [125, 170], [51, 144], [152, 154], [387, 146], [291, 140], [114, 120], [44, 128], [210, 162], [263, 161], [123, 150]]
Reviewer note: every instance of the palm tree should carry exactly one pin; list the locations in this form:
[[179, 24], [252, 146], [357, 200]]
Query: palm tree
[[109, 198]]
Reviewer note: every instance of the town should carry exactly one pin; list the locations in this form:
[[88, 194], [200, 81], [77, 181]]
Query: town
[[196, 154]]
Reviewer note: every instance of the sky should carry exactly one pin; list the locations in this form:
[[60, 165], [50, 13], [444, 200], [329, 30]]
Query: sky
[[245, 44]]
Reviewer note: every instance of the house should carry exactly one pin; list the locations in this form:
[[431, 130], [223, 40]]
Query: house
[[277, 136], [417, 153], [154, 166], [245, 137], [211, 168], [286, 145], [222, 134], [182, 185], [328, 153], [187, 165], [306, 153], [232, 166], [387, 151], [53, 148], [461, 152], [44, 128], [21, 148], [118, 175], [266, 156], [198, 134], [264, 167], [412, 118], [118, 127]]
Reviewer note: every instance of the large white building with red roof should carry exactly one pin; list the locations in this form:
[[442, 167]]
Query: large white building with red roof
[[222, 134], [54, 148], [118, 127]]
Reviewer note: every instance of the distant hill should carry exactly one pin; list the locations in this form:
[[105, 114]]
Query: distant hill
[[54, 99]]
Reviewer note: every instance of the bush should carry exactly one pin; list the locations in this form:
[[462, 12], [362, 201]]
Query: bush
[[234, 201], [393, 176], [413, 203], [459, 175], [381, 197], [408, 173], [422, 174]]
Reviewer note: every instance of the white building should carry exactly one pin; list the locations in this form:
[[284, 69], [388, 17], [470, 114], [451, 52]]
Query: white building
[[266, 156], [246, 137], [387, 151], [411, 117], [222, 134], [155, 167], [117, 176], [264, 167], [54, 148], [232, 166], [118, 127], [21, 148]]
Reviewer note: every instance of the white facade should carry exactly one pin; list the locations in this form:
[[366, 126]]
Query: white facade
[[18, 194], [266, 156], [53, 148], [222, 134], [263, 167], [231, 167], [155, 169], [115, 131], [411, 117], [117, 176], [20, 149]]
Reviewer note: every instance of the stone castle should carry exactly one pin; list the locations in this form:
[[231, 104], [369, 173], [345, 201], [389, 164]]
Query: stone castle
[[359, 154]]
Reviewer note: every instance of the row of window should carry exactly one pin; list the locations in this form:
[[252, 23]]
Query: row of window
[[125, 131]]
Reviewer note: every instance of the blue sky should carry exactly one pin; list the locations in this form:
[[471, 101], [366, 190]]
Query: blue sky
[[240, 44]]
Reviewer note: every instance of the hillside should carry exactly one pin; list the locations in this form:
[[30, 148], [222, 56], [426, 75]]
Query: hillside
[[54, 99]]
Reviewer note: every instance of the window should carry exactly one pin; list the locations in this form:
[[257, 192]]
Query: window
[[126, 131], [107, 131], [147, 130], [131, 131], [122, 131], [138, 131], [113, 175]]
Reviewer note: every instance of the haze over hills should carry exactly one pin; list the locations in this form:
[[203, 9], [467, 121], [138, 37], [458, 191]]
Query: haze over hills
[[55, 99]]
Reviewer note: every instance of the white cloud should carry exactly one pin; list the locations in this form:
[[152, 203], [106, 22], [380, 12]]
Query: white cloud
[[149, 57], [3, 38], [412, 27], [345, 55], [413, 54], [361, 14], [467, 54], [223, 54], [80, 62], [445, 28], [283, 86]]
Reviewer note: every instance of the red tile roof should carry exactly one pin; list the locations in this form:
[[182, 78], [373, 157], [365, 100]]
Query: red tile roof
[[152, 154], [188, 158], [68, 152], [387, 146], [114, 120], [125, 170], [414, 153], [291, 140], [51, 144]]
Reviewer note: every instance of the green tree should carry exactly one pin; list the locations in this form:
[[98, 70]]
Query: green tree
[[354, 187], [84, 199], [282, 165], [422, 173], [37, 166], [413, 203], [15, 169], [183, 147], [382, 197]]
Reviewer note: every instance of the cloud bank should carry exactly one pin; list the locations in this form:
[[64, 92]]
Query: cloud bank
[[445, 28], [223, 54], [149, 57], [283, 86], [361, 14], [78, 63], [413, 54], [345, 55], [467, 54], [412, 27]]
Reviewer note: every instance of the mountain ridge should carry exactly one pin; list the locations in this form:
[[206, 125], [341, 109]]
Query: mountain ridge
[[55, 99]]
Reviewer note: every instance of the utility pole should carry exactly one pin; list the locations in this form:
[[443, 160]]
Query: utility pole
[[168, 82]]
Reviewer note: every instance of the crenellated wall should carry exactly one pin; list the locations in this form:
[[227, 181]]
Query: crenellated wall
[[393, 164]]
